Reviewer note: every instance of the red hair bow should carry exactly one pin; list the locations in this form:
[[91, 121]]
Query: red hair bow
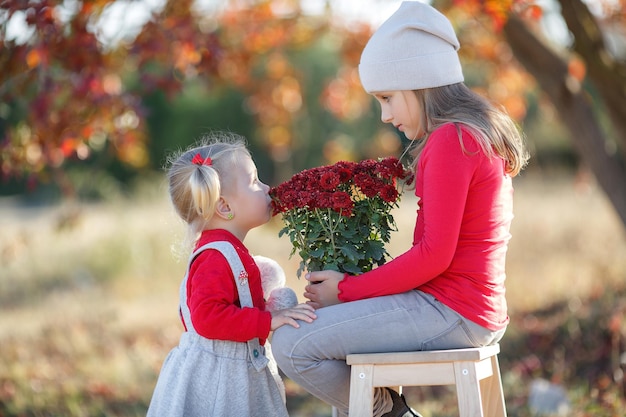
[[199, 160]]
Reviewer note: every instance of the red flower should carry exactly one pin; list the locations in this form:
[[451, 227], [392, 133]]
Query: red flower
[[342, 203], [329, 180], [389, 193], [344, 170], [321, 199], [367, 185]]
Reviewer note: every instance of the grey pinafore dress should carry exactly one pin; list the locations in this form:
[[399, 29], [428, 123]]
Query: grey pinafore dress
[[212, 378]]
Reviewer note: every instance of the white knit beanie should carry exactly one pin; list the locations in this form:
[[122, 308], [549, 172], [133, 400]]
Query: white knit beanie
[[415, 48]]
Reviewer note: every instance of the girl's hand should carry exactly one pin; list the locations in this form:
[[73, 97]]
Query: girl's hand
[[290, 315], [323, 289]]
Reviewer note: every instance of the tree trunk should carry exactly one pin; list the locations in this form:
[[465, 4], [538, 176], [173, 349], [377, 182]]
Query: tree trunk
[[575, 110], [607, 74]]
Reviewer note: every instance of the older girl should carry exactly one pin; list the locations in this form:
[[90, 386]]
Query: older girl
[[447, 290]]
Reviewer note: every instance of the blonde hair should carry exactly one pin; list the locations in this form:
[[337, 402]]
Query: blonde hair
[[196, 188], [496, 133]]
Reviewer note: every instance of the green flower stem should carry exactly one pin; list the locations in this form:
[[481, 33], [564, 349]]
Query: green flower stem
[[329, 230], [301, 240]]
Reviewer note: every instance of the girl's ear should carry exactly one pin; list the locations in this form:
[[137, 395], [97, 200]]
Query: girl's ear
[[223, 210]]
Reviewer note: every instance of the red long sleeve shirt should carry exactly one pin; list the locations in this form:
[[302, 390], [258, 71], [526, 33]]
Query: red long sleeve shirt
[[464, 213], [213, 299]]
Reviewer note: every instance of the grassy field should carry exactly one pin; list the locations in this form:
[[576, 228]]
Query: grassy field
[[88, 302]]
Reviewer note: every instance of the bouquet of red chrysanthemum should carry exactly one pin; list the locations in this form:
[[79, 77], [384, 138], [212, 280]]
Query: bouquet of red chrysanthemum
[[339, 216]]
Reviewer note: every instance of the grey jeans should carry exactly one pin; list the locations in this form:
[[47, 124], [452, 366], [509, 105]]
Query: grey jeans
[[314, 355]]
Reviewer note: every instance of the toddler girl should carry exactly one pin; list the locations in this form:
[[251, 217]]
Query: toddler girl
[[220, 367]]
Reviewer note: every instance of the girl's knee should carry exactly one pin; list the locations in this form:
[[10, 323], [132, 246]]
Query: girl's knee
[[281, 344]]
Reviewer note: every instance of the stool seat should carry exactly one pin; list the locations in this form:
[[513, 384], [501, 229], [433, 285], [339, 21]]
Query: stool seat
[[474, 371]]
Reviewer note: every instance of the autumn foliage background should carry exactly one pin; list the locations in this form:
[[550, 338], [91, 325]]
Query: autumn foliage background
[[88, 276]]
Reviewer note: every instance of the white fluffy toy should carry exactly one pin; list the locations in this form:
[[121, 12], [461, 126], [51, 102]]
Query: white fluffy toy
[[273, 281], [278, 297]]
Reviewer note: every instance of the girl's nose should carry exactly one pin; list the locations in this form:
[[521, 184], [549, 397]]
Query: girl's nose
[[385, 117]]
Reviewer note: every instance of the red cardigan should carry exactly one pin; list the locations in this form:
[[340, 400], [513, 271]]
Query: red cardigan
[[464, 213], [213, 299]]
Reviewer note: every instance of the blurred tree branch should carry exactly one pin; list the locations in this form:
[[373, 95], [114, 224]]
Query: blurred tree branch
[[553, 71]]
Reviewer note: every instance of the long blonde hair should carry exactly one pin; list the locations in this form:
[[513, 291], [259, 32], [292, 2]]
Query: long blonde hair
[[495, 131], [195, 188]]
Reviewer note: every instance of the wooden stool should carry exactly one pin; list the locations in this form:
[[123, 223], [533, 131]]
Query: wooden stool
[[475, 373]]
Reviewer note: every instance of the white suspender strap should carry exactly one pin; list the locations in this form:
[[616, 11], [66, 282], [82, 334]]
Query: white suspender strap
[[255, 352]]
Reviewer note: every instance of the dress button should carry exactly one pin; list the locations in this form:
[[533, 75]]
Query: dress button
[[256, 353]]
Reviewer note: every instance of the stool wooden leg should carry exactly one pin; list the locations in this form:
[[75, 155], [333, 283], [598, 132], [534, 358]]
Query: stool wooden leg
[[468, 390], [492, 393], [361, 390]]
